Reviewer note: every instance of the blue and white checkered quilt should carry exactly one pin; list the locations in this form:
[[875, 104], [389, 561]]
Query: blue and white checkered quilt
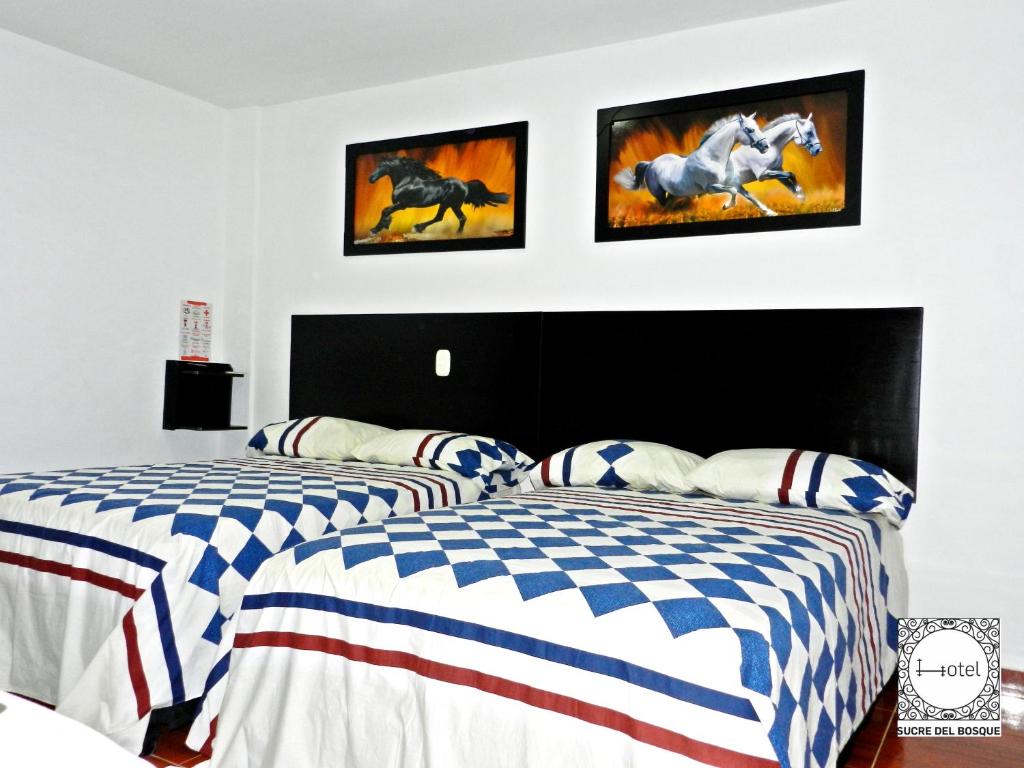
[[115, 582], [569, 627]]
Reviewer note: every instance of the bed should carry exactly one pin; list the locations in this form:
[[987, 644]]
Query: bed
[[597, 621], [115, 582], [604, 653]]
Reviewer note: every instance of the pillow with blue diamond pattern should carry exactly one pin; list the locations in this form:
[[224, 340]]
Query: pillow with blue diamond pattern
[[313, 437], [632, 464], [804, 479], [469, 455]]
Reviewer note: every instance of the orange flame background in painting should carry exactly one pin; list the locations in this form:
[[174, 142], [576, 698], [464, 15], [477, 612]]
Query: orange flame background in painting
[[823, 177], [492, 161]]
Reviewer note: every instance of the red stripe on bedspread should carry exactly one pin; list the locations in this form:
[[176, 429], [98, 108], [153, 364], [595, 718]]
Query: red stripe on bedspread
[[135, 671], [637, 730], [787, 476], [415, 495], [72, 572], [131, 637]]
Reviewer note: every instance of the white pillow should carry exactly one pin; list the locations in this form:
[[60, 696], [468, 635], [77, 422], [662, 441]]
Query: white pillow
[[618, 464], [469, 455], [315, 437], [804, 479]]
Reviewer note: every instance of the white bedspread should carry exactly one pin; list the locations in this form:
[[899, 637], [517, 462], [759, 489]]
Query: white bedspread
[[115, 583], [563, 627]]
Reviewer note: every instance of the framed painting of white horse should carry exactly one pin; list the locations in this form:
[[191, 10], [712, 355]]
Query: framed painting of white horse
[[779, 156], [457, 190]]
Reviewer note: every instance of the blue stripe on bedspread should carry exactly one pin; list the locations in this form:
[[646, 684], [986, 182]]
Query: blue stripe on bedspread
[[86, 542], [512, 641]]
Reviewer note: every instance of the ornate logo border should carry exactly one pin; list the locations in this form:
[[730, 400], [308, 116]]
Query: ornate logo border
[[911, 707]]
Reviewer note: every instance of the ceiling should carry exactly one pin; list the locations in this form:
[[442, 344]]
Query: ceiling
[[237, 53]]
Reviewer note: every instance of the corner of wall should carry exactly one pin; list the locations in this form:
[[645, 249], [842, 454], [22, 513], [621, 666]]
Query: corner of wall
[[241, 249]]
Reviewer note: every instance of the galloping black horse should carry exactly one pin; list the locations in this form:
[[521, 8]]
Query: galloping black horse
[[414, 185]]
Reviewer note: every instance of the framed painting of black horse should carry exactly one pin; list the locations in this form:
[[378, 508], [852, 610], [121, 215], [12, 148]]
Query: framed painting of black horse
[[453, 191], [778, 156]]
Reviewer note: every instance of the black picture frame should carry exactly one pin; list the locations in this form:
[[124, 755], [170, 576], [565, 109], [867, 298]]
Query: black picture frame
[[518, 132], [726, 102]]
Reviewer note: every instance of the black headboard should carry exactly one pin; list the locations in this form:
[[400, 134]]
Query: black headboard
[[839, 380], [380, 369]]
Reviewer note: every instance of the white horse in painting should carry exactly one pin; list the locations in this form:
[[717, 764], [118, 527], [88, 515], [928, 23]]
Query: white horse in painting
[[749, 165], [706, 171]]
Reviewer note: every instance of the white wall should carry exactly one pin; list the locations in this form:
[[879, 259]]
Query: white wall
[[242, 209], [941, 201], [111, 212]]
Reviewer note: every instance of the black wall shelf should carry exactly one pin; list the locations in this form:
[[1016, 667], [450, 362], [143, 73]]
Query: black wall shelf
[[197, 396]]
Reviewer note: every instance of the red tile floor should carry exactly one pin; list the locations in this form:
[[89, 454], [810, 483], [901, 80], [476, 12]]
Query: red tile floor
[[171, 750], [875, 745]]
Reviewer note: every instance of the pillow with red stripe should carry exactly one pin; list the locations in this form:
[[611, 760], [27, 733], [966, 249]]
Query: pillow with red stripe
[[618, 464], [804, 479], [314, 437], [469, 455]]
